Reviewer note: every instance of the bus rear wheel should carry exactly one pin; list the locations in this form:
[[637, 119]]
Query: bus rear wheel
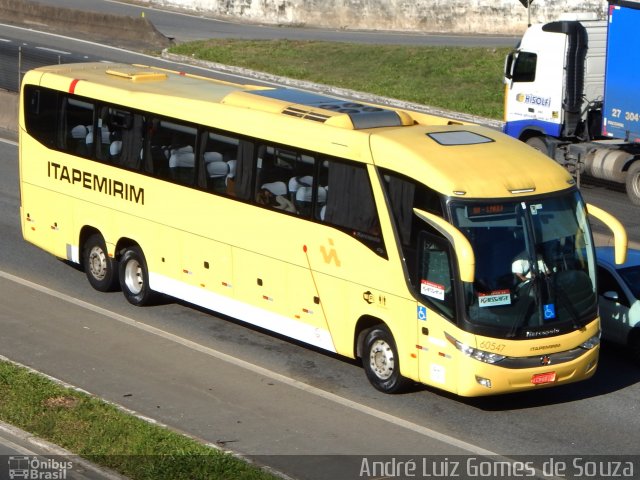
[[134, 277], [98, 266], [380, 361]]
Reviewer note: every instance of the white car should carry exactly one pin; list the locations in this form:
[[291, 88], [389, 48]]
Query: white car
[[619, 299]]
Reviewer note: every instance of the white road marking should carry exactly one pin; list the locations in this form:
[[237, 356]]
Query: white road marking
[[53, 50], [14, 446], [400, 422], [9, 142]]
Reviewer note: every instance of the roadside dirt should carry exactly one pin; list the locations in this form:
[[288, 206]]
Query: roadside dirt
[[118, 30]]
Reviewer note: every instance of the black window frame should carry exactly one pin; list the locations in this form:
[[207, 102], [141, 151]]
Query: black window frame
[[36, 98]]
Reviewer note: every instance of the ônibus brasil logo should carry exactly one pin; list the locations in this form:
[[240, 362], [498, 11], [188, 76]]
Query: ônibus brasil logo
[[36, 468]]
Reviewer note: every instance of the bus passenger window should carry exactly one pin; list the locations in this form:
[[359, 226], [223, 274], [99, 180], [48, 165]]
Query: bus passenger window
[[219, 160], [274, 195], [284, 180], [76, 136], [119, 138], [172, 148], [349, 203]]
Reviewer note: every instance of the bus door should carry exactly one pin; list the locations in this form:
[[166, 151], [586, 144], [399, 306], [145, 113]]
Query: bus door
[[436, 311]]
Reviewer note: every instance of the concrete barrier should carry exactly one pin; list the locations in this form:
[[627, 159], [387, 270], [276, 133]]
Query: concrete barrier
[[9, 111], [444, 16]]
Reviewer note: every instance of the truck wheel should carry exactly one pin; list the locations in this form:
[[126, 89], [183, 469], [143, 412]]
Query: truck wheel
[[633, 183], [539, 144], [98, 266], [134, 278], [380, 361]]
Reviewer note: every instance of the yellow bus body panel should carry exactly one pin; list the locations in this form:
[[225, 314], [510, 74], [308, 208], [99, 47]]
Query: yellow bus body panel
[[299, 278]]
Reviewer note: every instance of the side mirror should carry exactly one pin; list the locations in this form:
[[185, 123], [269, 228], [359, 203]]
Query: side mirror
[[619, 232], [611, 295], [509, 62]]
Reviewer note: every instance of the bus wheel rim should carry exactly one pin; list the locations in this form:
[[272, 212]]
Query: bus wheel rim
[[381, 359], [133, 277], [98, 264]]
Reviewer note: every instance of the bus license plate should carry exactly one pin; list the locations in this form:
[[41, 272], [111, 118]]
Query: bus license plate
[[540, 378]]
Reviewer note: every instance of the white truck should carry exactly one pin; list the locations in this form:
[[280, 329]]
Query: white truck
[[572, 93]]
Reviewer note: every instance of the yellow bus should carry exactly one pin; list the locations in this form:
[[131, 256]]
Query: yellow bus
[[437, 252]]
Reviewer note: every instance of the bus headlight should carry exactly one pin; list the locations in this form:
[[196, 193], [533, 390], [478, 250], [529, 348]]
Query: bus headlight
[[592, 342], [481, 355]]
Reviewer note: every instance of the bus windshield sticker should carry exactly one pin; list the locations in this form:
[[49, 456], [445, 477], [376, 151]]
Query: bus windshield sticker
[[549, 311], [495, 298], [431, 289], [535, 208]]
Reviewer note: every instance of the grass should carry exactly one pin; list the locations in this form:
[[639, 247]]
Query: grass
[[463, 79], [104, 434]]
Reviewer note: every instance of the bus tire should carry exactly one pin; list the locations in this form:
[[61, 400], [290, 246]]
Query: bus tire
[[380, 361], [633, 183], [134, 277], [100, 269]]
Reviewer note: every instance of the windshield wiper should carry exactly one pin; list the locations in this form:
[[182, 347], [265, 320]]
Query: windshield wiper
[[527, 293]]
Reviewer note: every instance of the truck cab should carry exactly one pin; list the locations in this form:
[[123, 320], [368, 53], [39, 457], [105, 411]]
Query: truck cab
[[546, 89], [567, 88]]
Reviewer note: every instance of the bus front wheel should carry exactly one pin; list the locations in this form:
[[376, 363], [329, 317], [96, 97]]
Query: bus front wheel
[[134, 277], [98, 266], [380, 361]]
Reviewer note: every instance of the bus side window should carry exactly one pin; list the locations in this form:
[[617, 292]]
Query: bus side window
[[350, 204], [405, 194], [119, 138], [284, 180], [76, 135], [172, 148], [219, 159], [41, 120]]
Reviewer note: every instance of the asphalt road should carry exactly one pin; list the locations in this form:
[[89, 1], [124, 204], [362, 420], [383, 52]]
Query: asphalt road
[[186, 27]]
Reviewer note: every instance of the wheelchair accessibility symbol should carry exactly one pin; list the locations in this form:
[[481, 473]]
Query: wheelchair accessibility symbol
[[549, 311], [422, 313]]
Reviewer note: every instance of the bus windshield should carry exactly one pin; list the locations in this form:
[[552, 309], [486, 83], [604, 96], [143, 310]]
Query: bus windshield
[[535, 265]]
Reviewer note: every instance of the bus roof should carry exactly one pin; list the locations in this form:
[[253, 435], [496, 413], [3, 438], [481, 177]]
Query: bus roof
[[469, 161], [454, 159]]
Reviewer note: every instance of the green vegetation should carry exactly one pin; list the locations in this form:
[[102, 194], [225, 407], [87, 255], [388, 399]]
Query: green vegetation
[[104, 434], [455, 78]]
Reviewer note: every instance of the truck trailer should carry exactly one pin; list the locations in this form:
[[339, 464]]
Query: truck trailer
[[571, 91]]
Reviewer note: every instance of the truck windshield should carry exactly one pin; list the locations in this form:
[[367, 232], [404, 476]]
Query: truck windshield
[[535, 267]]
